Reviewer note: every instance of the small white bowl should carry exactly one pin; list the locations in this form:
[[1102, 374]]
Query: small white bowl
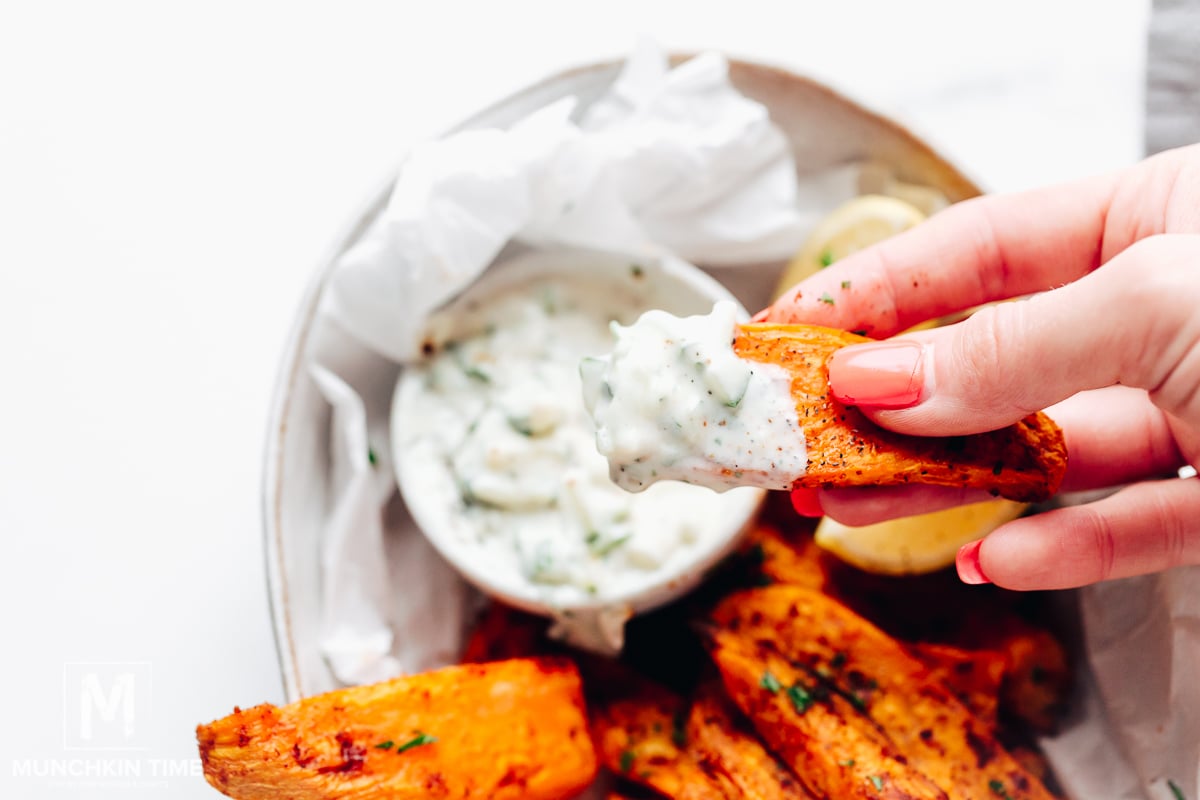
[[663, 282]]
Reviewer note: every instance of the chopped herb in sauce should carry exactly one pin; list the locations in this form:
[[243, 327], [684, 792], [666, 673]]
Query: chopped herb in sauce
[[826, 258], [420, 740], [849, 762], [845, 284], [521, 425], [876, 781], [826, 298], [626, 760], [384, 745], [770, 682]]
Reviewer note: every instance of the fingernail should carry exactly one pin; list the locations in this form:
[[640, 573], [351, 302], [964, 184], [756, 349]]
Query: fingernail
[[807, 503], [969, 568], [883, 375]]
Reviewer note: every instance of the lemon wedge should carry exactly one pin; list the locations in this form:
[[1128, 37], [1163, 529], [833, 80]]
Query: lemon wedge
[[915, 545], [853, 226]]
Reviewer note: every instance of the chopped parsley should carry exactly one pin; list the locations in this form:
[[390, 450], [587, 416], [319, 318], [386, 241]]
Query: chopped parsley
[[599, 547], [845, 284], [826, 258], [770, 682], [1176, 792], [826, 298], [626, 760], [384, 745], [636, 270], [998, 789], [876, 781], [849, 762], [521, 425], [420, 740], [371, 457], [802, 699]]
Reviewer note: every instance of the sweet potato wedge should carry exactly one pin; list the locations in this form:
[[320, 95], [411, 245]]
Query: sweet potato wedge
[[640, 732], [834, 751], [507, 729], [849, 658], [1037, 674], [974, 676], [724, 742], [1024, 462], [502, 632], [795, 560]]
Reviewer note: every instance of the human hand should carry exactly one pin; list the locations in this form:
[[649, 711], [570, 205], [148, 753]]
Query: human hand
[[1116, 345]]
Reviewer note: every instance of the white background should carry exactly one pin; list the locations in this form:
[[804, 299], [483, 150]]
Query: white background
[[169, 176]]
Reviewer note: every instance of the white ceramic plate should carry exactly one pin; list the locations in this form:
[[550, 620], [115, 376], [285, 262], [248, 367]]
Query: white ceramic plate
[[824, 128]]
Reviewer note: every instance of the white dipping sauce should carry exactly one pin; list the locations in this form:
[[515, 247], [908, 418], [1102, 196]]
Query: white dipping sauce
[[497, 437], [674, 403]]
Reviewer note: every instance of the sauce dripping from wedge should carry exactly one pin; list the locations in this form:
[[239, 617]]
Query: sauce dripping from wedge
[[674, 402]]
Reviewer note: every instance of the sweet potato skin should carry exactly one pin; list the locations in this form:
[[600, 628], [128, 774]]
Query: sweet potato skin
[[1023, 462], [507, 729], [835, 752], [723, 741], [890, 688]]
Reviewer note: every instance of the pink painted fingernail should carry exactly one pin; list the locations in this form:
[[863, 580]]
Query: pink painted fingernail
[[967, 562], [807, 503], [883, 375]]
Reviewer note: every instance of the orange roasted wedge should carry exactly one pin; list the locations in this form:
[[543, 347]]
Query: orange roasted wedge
[[1023, 462], [506, 729]]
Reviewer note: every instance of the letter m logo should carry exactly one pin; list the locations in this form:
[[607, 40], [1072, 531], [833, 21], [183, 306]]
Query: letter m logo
[[106, 705]]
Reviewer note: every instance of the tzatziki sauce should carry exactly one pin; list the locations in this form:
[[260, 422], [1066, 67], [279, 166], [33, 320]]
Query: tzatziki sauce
[[496, 438], [673, 402]]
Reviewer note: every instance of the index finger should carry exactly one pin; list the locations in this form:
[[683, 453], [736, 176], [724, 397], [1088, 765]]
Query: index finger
[[975, 252]]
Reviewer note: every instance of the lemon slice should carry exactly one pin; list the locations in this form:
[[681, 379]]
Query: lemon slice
[[854, 226], [915, 545]]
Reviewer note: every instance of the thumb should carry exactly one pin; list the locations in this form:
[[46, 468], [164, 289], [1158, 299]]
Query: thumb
[[1132, 321]]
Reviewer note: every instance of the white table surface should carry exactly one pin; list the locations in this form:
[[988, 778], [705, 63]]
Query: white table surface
[[168, 178]]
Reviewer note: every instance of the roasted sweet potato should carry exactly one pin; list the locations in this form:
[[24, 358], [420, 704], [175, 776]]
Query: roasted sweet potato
[[848, 659], [507, 729], [1037, 675], [817, 733], [640, 733], [503, 632], [725, 743], [1025, 461], [795, 560], [974, 676]]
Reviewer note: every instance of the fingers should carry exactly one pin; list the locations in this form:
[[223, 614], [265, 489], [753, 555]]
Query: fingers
[[1132, 323], [1145, 528], [1115, 436], [975, 252]]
